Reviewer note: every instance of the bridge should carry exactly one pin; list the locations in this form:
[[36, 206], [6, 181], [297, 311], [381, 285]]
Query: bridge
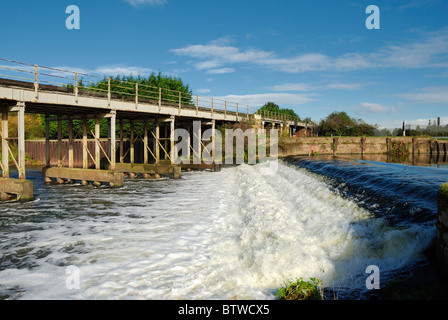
[[64, 95]]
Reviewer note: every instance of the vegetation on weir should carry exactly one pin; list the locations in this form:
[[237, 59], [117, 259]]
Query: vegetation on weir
[[301, 290]]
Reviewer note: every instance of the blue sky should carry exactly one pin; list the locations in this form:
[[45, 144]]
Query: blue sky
[[315, 57]]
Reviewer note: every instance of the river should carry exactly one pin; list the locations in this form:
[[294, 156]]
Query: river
[[233, 234]]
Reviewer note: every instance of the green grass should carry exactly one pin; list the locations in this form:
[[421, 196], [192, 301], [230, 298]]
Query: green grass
[[301, 290]]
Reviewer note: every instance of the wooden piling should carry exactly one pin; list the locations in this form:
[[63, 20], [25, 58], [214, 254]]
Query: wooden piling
[[97, 144], [113, 142], [132, 154], [5, 155], [156, 142], [21, 138]]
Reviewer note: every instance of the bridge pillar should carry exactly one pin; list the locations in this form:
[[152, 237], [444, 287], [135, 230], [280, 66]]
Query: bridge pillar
[[121, 142], [197, 142], [21, 188], [157, 142], [21, 138], [113, 139], [5, 154], [189, 143], [59, 142], [145, 142], [85, 150], [70, 144], [132, 150], [97, 144], [173, 154]]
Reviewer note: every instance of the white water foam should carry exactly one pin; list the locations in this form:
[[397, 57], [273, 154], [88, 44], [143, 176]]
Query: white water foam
[[223, 235]]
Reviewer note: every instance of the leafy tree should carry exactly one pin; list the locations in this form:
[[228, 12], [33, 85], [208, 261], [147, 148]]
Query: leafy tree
[[148, 87], [341, 124], [273, 107], [124, 87]]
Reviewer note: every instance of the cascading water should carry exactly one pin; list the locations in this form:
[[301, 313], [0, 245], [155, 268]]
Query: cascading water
[[217, 235]]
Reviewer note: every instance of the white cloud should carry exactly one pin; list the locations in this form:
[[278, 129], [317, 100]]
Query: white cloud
[[373, 107], [307, 87], [261, 99], [292, 87], [209, 64], [344, 86], [432, 51], [122, 70], [203, 90], [431, 95], [136, 3], [221, 71]]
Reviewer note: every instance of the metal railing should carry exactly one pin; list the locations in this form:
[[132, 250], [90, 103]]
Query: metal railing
[[81, 84], [269, 115]]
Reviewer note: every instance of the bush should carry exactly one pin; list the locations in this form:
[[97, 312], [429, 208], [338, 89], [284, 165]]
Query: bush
[[301, 290]]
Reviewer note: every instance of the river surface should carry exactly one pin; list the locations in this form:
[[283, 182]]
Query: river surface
[[233, 234]]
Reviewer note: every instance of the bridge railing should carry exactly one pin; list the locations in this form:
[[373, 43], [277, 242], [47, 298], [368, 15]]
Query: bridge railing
[[269, 115], [79, 83]]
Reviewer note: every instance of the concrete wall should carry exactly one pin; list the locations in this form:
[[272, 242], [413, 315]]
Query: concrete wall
[[442, 226], [352, 145]]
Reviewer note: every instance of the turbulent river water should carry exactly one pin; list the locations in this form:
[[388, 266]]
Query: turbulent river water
[[237, 233]]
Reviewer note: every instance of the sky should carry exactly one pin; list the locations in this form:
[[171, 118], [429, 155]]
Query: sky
[[314, 57]]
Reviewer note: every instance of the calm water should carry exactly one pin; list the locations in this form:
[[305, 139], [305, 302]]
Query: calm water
[[220, 235]]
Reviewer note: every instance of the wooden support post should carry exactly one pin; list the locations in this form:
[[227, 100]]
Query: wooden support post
[[156, 142], [85, 160], [108, 92], [145, 142], [132, 154], [121, 142], [165, 141], [173, 154], [70, 144], [76, 87], [189, 144], [59, 142], [113, 140], [136, 95], [213, 140], [160, 99], [47, 141], [363, 145], [21, 137], [197, 104], [97, 144], [335, 145], [5, 155], [197, 142], [414, 146], [36, 83]]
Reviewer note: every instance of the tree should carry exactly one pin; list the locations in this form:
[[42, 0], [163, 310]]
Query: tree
[[124, 86], [275, 108], [341, 124]]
